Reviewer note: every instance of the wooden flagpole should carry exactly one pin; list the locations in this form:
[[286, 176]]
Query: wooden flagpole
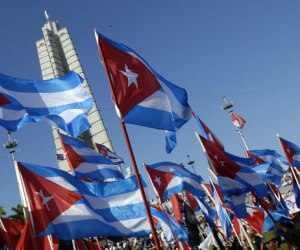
[[133, 161]]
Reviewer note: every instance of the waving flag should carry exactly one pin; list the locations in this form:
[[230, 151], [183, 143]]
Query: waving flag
[[27, 241], [292, 152], [247, 162], [70, 208], [270, 172], [176, 201], [224, 217], [86, 162], [276, 197], [169, 225], [257, 159], [261, 222], [176, 169], [10, 231], [224, 166], [237, 121], [109, 154], [268, 155], [169, 178], [235, 180], [141, 95], [206, 133], [192, 201], [62, 101]]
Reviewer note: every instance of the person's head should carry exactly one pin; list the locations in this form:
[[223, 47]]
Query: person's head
[[271, 240]]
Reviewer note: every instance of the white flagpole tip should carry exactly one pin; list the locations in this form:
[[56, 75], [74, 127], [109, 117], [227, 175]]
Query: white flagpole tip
[[277, 135]]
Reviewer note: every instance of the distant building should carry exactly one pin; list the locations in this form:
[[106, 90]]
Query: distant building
[[57, 56]]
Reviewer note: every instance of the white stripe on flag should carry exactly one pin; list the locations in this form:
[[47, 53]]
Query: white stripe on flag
[[40, 100]]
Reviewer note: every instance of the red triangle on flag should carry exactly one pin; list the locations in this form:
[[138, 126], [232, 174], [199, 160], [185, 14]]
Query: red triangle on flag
[[74, 159], [47, 200], [132, 80], [3, 100], [159, 179], [255, 219], [102, 150]]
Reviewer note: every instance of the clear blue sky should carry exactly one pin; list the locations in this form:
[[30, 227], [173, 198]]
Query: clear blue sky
[[248, 51]]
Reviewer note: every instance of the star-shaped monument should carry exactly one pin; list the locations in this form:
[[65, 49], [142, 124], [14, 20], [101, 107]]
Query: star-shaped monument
[[45, 199], [157, 180], [132, 77]]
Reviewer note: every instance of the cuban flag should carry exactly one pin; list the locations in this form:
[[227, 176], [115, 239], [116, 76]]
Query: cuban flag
[[235, 195], [269, 155], [247, 162], [224, 217], [270, 172], [237, 121], [277, 198], [109, 154], [62, 101], [142, 97], [69, 208], [292, 152], [224, 166], [86, 162], [169, 178], [206, 133], [170, 226], [261, 222]]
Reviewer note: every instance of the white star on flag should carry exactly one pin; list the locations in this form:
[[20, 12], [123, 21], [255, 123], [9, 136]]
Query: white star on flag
[[132, 77], [45, 199], [216, 156], [157, 180], [222, 163], [251, 211]]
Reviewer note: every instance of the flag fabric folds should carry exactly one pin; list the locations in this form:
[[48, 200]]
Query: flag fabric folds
[[224, 217], [62, 101], [69, 208], [109, 154], [169, 178], [86, 162], [169, 225], [224, 166], [292, 152], [269, 155], [206, 133], [142, 97], [234, 179], [237, 121], [10, 231], [270, 172]]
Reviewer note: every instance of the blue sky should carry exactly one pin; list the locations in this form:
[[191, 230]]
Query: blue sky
[[248, 51]]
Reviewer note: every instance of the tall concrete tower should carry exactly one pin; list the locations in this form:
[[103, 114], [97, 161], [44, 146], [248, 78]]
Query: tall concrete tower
[[57, 56]]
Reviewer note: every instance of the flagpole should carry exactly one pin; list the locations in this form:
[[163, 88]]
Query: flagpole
[[133, 161], [294, 173], [225, 213], [11, 144], [211, 165], [228, 107], [167, 219]]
